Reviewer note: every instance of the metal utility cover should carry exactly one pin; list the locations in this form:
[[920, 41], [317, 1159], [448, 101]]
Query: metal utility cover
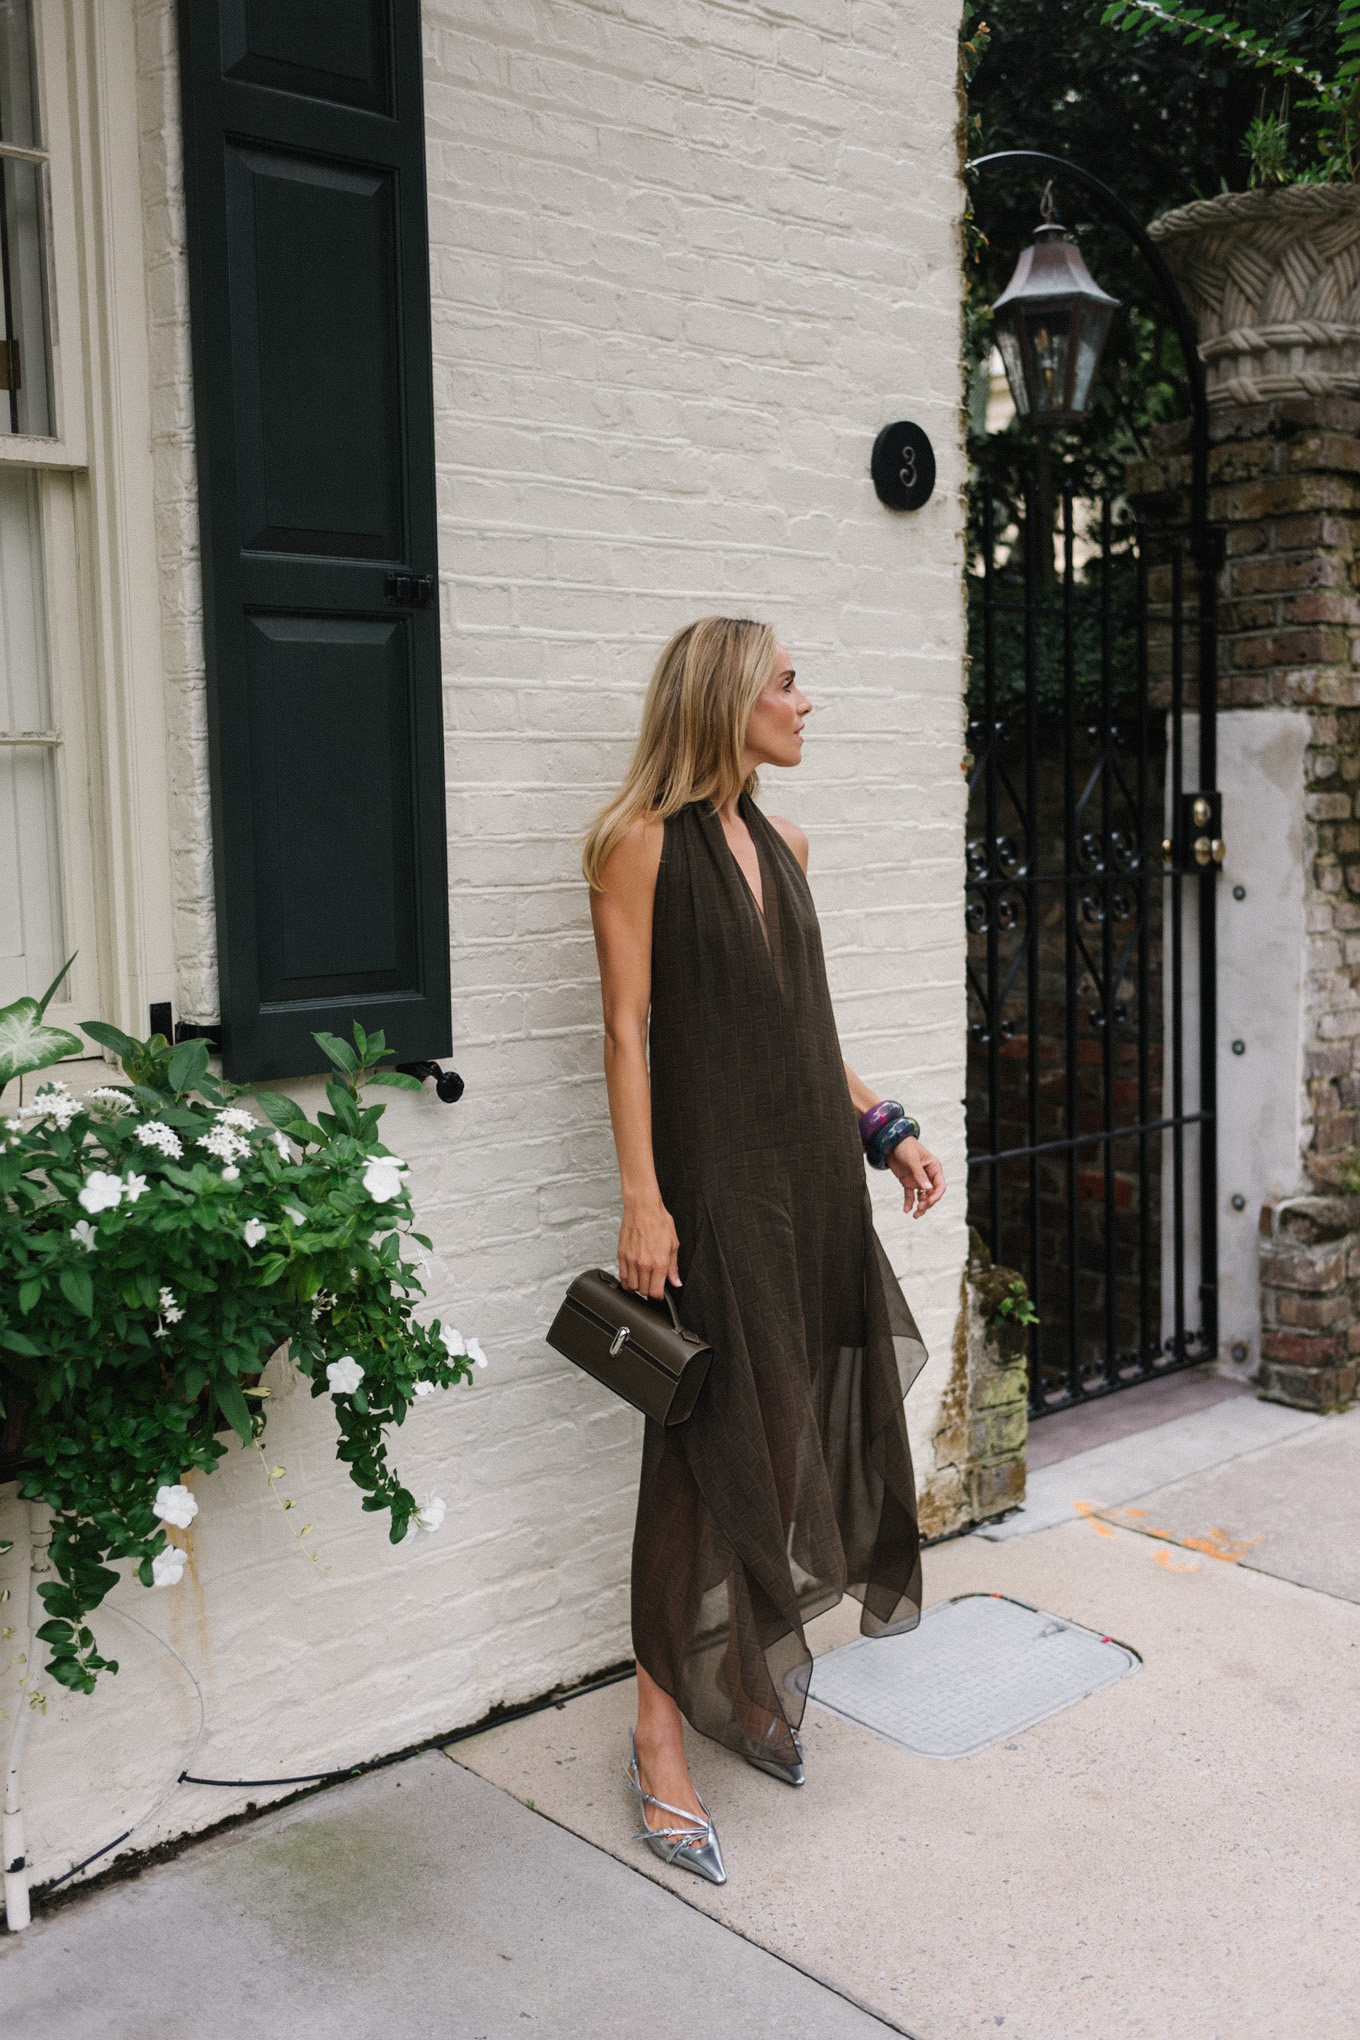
[[976, 1669]]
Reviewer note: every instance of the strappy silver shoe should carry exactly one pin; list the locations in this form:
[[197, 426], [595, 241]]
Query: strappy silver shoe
[[779, 1767], [691, 1847]]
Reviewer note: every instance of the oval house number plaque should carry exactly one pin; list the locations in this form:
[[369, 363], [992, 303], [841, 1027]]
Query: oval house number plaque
[[903, 466]]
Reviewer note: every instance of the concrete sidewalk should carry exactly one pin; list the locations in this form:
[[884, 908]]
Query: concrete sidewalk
[[1175, 1858], [416, 1904]]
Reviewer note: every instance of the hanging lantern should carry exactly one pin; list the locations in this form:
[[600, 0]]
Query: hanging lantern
[[1051, 322]]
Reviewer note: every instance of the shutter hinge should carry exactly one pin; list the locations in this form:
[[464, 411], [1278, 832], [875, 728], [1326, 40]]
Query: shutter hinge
[[410, 591]]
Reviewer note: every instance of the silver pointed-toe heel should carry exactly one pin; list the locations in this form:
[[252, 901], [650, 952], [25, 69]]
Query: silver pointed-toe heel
[[694, 1846], [791, 1774]]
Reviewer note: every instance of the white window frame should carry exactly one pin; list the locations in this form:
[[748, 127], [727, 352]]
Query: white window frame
[[66, 446], [98, 525]]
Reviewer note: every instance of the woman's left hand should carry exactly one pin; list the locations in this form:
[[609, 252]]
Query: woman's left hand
[[920, 1175]]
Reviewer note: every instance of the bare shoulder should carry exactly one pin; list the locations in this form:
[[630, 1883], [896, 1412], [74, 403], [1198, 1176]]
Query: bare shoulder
[[793, 836], [630, 870]]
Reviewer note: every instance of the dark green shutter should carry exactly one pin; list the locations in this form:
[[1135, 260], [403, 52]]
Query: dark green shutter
[[310, 306]]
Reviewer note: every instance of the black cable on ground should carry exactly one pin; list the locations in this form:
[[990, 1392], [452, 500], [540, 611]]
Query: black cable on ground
[[437, 1742], [76, 1868]]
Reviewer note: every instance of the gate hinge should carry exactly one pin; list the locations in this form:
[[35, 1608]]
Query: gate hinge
[[1198, 842], [410, 591]]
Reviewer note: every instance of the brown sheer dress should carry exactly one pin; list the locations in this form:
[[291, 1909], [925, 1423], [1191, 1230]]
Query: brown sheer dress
[[791, 1484]]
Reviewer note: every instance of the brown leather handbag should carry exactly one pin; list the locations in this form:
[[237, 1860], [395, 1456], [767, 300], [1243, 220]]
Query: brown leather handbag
[[634, 1345]]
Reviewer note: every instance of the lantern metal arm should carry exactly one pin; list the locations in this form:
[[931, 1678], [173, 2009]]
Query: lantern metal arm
[[1205, 543]]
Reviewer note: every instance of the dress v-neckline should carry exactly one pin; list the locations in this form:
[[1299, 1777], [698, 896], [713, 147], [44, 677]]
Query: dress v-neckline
[[757, 900]]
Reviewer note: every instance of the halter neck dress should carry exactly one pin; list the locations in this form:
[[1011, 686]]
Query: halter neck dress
[[791, 1483]]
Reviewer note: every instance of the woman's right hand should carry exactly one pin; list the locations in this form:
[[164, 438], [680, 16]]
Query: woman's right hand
[[649, 1249]]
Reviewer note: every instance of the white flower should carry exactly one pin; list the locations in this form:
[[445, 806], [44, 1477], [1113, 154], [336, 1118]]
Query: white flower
[[325, 1300], [298, 1217], [475, 1353], [382, 1178], [282, 1145], [53, 1101], [230, 1173], [222, 1142], [15, 1125], [422, 1388], [167, 1567], [83, 1231], [430, 1514], [175, 1505], [155, 1133], [133, 1186], [344, 1375], [169, 1307], [253, 1231], [235, 1116], [102, 1191], [119, 1100], [454, 1343]]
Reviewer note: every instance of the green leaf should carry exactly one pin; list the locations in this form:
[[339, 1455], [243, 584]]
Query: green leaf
[[29, 1292], [188, 1063], [17, 1343], [396, 1079], [110, 1037], [78, 1290], [55, 1632], [27, 1044], [68, 1671], [43, 1001], [344, 1108], [285, 1112], [337, 1051], [59, 1600], [234, 1407]]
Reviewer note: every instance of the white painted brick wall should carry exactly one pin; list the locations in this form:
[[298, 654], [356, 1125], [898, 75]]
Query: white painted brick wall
[[176, 482], [687, 258]]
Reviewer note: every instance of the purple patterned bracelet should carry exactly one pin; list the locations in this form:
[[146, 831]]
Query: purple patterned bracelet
[[877, 1117], [882, 1128]]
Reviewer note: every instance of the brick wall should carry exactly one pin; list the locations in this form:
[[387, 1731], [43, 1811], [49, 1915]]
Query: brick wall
[[687, 257], [1310, 1301]]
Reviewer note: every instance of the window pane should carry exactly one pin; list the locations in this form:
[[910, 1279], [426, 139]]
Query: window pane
[[18, 76], [31, 934], [25, 404]]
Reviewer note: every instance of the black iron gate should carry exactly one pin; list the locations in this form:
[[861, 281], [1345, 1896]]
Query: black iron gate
[[1092, 853]]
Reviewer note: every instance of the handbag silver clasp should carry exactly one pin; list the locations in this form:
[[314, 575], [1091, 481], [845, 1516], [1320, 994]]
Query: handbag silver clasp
[[617, 1346]]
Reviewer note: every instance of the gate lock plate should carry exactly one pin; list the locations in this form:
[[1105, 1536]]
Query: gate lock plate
[[1198, 843]]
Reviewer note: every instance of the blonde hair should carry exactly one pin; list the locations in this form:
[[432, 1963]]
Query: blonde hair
[[694, 721]]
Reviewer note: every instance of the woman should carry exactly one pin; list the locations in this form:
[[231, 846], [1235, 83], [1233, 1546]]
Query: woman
[[743, 1177]]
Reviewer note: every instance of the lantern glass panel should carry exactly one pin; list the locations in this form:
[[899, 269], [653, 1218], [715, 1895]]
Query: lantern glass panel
[[1008, 340], [1095, 321], [1048, 338]]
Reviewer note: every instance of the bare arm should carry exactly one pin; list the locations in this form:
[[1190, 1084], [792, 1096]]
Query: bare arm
[[915, 1168], [622, 917]]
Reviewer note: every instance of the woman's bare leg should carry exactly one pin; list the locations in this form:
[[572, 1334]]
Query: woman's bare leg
[[660, 1743]]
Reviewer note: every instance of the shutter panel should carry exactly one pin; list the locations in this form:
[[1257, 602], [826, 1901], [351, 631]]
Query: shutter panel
[[310, 308]]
